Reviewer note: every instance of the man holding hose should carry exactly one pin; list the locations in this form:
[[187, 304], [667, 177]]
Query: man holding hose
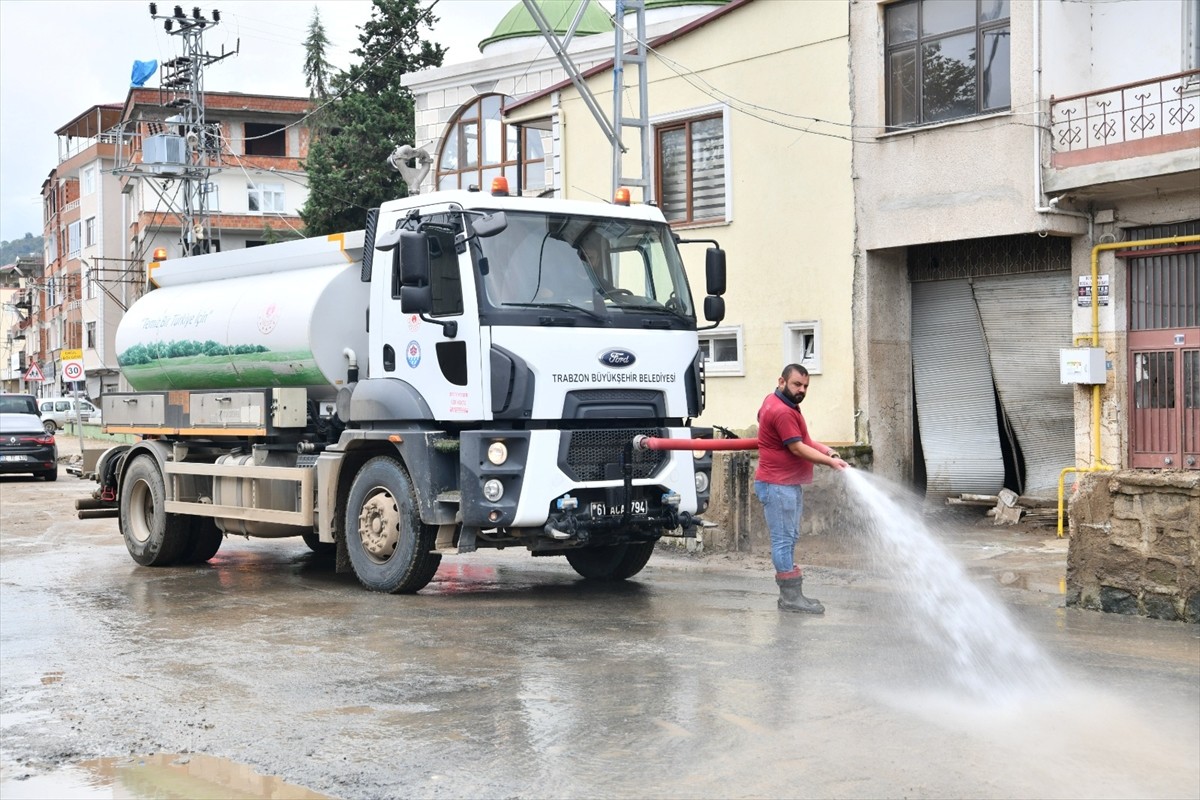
[[786, 455]]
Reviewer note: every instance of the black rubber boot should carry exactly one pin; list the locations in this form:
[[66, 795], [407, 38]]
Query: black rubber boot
[[791, 597]]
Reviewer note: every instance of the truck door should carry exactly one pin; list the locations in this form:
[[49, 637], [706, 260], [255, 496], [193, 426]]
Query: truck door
[[445, 369]]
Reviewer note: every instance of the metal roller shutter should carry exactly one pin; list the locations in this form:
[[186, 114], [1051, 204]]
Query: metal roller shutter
[[1026, 319], [956, 407]]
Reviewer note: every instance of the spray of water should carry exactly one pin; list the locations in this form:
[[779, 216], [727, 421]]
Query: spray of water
[[972, 633]]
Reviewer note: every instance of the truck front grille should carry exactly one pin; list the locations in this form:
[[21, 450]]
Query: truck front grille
[[595, 455]]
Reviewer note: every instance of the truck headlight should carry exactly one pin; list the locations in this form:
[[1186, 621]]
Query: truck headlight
[[493, 490], [701, 482], [497, 453]]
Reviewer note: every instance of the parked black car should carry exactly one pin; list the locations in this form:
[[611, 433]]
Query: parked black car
[[26, 447], [19, 404]]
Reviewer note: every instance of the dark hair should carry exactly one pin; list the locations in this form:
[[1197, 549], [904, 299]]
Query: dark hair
[[790, 368]]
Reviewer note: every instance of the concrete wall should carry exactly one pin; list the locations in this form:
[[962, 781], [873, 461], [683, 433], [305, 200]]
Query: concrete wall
[[1135, 544], [738, 514]]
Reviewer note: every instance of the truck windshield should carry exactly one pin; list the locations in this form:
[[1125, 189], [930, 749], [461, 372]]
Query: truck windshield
[[614, 271]]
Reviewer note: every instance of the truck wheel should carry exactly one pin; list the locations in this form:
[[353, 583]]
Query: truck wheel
[[389, 547], [317, 546], [614, 563], [204, 540], [153, 537]]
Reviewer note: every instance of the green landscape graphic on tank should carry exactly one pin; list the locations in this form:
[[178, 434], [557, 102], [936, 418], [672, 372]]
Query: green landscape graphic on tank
[[254, 331]]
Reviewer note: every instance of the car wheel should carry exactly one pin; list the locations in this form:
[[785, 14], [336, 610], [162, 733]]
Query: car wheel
[[49, 426], [50, 474]]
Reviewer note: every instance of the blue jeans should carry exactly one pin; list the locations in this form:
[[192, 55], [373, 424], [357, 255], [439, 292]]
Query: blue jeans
[[782, 506]]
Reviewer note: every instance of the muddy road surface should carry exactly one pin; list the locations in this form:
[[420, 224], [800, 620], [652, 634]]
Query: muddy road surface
[[511, 677]]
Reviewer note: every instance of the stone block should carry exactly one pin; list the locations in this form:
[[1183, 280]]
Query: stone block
[[1159, 606], [1117, 601]]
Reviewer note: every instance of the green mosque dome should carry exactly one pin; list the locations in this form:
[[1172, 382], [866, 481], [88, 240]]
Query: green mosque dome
[[518, 24], [653, 5]]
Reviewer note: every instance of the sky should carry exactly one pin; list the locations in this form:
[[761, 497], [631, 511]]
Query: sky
[[60, 57]]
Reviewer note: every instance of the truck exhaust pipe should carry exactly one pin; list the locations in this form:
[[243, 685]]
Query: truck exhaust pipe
[[97, 513]]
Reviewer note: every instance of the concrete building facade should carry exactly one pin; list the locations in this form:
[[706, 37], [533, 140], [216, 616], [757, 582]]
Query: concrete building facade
[[997, 145]]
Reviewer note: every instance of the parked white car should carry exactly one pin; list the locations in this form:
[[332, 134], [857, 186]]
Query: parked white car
[[58, 411]]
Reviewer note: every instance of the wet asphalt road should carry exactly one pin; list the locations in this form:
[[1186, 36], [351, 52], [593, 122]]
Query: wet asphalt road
[[509, 677]]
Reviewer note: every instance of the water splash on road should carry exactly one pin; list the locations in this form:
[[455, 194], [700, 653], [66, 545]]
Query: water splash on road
[[979, 645]]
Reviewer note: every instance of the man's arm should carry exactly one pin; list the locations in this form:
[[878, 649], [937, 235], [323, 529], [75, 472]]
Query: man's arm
[[817, 454]]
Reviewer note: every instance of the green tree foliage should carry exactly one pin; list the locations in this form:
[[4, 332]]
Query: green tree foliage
[[317, 69], [347, 165], [30, 245]]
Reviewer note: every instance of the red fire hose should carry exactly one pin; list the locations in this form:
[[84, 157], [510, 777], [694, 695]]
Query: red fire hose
[[653, 443]]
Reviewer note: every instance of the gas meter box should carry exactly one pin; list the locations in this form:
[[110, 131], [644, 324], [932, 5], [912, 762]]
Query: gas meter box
[[1084, 365]]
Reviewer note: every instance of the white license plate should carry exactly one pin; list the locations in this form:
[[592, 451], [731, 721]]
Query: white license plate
[[12, 458], [603, 510]]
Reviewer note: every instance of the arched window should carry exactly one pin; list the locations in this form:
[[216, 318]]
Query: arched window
[[478, 146]]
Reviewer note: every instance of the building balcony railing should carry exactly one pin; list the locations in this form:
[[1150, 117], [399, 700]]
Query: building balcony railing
[[1143, 118]]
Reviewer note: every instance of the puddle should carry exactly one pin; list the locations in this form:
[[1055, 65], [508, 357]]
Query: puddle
[[192, 776]]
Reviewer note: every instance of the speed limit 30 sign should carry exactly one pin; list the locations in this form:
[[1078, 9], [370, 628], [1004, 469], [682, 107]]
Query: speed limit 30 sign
[[72, 365]]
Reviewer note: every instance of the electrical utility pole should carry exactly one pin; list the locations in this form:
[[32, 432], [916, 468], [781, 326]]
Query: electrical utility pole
[[182, 148], [620, 121]]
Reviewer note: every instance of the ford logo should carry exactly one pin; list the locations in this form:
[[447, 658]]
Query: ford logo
[[617, 358]]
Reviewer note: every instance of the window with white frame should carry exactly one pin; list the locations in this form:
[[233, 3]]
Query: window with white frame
[[802, 344], [479, 146], [265, 198], [722, 350], [89, 180], [89, 283], [89, 231], [52, 291], [946, 59], [690, 167], [74, 239]]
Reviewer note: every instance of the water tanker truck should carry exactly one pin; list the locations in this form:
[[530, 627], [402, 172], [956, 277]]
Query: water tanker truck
[[470, 371]]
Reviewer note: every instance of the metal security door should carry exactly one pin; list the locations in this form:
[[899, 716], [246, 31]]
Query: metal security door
[[1164, 356]]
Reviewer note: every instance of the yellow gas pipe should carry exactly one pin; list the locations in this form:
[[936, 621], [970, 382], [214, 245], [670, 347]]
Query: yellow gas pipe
[[1098, 464]]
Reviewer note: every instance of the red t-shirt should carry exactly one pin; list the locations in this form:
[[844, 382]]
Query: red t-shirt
[[779, 424]]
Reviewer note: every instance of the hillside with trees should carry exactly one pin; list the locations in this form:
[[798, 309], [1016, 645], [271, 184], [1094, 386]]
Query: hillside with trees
[[30, 245]]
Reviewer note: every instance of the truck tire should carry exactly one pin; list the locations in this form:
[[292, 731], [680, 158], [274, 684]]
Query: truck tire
[[317, 546], [613, 563], [153, 537], [389, 547], [204, 540]]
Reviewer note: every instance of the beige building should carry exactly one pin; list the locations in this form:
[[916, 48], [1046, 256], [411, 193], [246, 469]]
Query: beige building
[[750, 145], [997, 144]]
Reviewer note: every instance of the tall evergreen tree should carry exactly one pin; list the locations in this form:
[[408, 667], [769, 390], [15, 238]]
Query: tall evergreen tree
[[317, 69], [347, 166]]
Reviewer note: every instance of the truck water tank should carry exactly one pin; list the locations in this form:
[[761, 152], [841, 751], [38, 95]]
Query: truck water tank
[[283, 328]]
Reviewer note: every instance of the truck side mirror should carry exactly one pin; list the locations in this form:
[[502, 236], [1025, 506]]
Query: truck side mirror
[[410, 273], [714, 308], [714, 272], [414, 265], [489, 224], [412, 270]]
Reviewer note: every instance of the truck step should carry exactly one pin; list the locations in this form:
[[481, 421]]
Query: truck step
[[453, 496]]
